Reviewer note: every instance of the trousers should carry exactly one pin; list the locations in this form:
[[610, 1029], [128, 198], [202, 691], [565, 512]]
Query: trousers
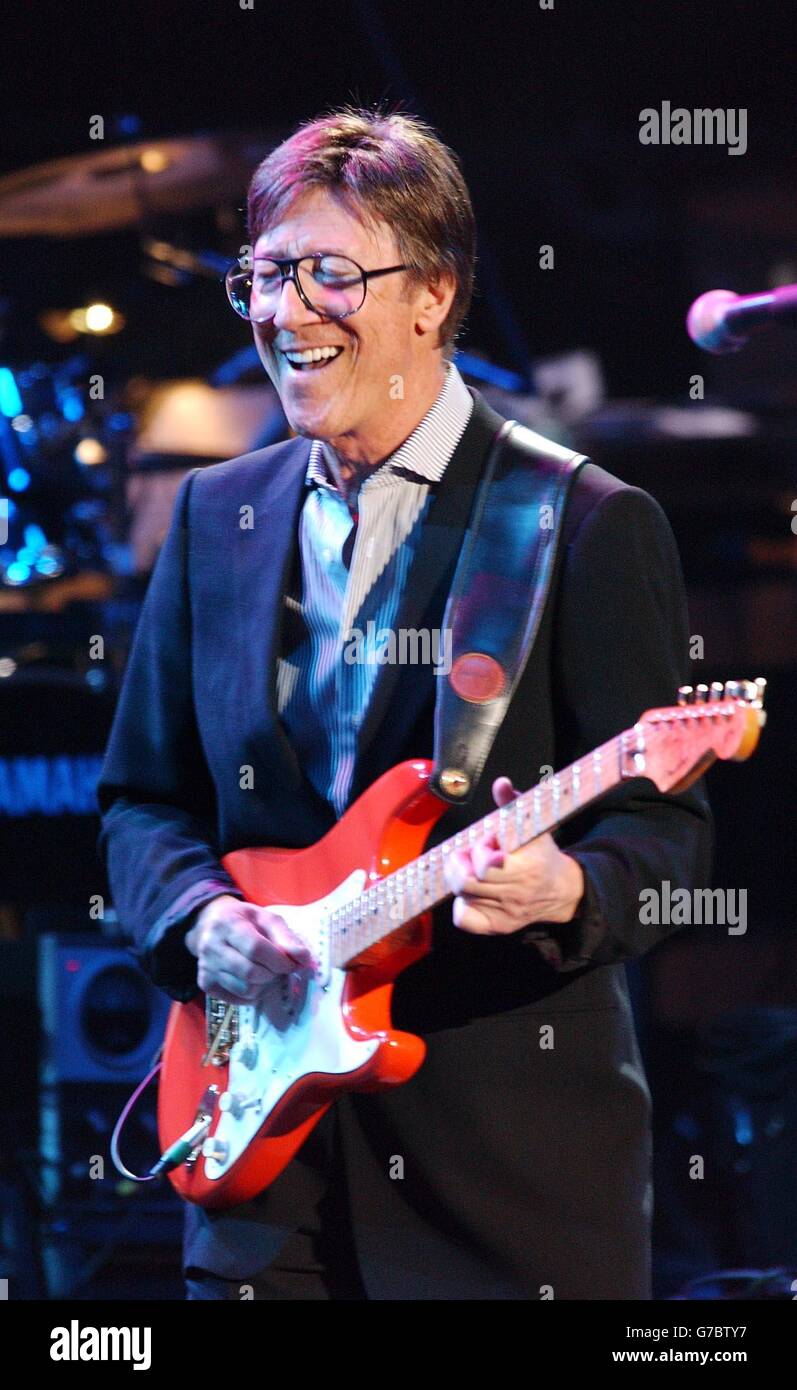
[[319, 1260]]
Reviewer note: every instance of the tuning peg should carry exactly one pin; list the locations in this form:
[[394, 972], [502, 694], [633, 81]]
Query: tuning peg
[[756, 690], [685, 694], [701, 694], [717, 690], [732, 690], [752, 692]]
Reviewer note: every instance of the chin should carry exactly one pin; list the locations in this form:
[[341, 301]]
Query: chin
[[313, 424]]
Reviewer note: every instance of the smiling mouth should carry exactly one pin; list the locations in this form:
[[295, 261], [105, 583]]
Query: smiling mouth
[[313, 360]]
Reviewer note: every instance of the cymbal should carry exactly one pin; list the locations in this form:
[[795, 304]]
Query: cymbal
[[117, 188]]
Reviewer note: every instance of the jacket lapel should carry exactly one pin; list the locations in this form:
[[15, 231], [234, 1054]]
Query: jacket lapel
[[263, 580]]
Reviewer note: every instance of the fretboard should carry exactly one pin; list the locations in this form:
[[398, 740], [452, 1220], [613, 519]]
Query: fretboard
[[402, 896]]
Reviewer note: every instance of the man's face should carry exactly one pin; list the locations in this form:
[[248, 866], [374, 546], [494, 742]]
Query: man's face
[[388, 336]]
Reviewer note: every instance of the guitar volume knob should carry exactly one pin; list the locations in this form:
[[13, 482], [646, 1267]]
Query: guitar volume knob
[[215, 1149], [235, 1102]]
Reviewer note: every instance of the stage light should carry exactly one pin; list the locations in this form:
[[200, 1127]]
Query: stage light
[[72, 406], [97, 318], [120, 420], [129, 124], [10, 399], [90, 452], [154, 161], [17, 573], [48, 565], [35, 537], [19, 479]]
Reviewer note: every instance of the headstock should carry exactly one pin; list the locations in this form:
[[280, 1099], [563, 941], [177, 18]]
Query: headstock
[[674, 746]]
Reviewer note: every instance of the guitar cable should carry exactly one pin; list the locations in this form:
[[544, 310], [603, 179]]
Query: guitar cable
[[177, 1152], [119, 1126]]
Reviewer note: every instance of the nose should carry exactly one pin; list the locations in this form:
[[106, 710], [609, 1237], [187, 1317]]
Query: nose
[[291, 311]]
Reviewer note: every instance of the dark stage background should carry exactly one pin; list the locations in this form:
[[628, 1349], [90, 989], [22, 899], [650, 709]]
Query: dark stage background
[[543, 107]]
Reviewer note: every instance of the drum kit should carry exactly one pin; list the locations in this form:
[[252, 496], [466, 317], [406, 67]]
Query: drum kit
[[88, 475], [89, 465]]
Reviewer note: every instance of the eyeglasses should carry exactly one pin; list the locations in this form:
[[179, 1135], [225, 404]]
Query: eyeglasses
[[332, 286]]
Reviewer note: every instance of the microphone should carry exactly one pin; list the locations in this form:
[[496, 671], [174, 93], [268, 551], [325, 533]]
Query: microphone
[[721, 321]]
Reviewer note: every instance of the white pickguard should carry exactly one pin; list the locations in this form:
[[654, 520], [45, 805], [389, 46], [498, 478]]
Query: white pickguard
[[275, 1049]]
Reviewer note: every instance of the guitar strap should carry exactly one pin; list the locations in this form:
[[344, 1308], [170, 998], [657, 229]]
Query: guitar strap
[[497, 599]]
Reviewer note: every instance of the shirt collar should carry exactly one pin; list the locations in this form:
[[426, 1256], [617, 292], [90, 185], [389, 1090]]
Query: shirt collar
[[425, 454]]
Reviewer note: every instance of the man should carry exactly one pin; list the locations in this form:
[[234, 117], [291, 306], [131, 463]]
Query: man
[[508, 1167]]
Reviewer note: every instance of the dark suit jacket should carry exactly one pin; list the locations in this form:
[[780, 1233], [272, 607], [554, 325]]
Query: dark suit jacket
[[523, 1165]]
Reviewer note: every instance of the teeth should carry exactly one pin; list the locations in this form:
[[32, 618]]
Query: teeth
[[313, 355]]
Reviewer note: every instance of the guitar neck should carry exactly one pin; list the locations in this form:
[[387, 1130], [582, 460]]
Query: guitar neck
[[402, 896]]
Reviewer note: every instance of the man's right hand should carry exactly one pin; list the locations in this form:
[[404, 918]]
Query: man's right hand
[[241, 947]]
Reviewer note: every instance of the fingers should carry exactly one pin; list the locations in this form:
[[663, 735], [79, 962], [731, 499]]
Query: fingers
[[276, 929], [224, 964], [466, 871], [467, 913], [267, 944], [503, 791], [486, 855], [223, 984], [242, 948]]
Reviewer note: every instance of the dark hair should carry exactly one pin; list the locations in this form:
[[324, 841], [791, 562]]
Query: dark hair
[[385, 166]]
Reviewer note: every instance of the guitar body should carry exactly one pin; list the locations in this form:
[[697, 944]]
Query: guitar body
[[241, 1085], [307, 1041]]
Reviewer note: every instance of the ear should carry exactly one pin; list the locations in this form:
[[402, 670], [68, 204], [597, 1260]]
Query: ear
[[433, 303]]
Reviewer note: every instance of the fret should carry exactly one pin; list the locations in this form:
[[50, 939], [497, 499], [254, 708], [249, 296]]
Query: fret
[[425, 872], [437, 870], [423, 878], [419, 885]]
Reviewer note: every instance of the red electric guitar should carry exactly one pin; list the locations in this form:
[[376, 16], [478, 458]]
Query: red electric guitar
[[241, 1085]]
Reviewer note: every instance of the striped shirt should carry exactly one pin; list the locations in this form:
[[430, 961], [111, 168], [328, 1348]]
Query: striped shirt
[[354, 569]]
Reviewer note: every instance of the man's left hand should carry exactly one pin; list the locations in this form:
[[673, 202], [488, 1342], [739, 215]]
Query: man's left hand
[[498, 893]]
